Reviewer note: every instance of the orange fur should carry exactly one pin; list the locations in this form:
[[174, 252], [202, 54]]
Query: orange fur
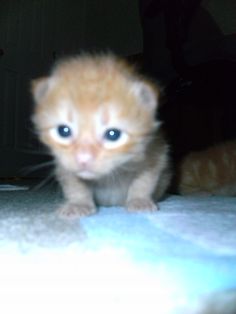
[[211, 171], [92, 94]]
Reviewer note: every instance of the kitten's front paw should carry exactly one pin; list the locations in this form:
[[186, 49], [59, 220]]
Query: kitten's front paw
[[141, 204], [72, 210]]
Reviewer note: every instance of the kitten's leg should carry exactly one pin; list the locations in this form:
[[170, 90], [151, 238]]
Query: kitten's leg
[[79, 198], [151, 182], [140, 192]]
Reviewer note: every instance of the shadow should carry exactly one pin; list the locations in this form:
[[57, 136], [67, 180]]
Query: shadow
[[185, 49]]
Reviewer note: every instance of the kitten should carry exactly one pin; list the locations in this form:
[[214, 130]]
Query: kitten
[[209, 172], [97, 116]]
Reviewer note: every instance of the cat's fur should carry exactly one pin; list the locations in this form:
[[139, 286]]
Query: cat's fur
[[91, 94], [211, 171]]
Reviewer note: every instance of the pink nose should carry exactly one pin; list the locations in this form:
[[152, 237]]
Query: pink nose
[[84, 158]]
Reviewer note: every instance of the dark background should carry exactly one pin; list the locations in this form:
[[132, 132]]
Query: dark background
[[187, 46]]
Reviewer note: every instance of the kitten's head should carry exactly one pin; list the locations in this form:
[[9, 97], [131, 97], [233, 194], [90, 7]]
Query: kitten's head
[[95, 114]]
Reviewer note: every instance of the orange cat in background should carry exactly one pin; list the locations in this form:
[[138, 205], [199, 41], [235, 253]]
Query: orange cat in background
[[97, 116], [209, 172]]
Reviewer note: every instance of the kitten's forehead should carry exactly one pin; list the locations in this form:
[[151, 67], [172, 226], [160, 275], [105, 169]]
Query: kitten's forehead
[[65, 109], [102, 116], [105, 115], [90, 81], [80, 113]]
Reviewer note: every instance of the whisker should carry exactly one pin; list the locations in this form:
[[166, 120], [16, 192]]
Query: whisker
[[33, 168], [45, 181]]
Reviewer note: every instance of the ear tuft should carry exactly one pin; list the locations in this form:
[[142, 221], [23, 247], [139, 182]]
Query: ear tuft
[[147, 95], [39, 88]]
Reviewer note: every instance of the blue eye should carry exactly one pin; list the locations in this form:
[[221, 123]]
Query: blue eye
[[112, 135], [64, 131]]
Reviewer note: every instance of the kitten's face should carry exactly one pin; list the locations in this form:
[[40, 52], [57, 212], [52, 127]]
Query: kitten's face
[[93, 116]]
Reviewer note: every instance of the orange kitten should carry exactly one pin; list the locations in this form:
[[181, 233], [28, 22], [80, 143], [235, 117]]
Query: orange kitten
[[211, 171], [97, 117]]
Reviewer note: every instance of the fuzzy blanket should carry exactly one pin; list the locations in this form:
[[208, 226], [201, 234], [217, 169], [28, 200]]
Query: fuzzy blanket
[[114, 261]]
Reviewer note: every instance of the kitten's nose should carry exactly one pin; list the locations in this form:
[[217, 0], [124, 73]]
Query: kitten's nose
[[84, 158]]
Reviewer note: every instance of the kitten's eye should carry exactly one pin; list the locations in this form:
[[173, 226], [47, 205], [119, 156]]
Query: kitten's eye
[[112, 135], [62, 134], [114, 138], [64, 131]]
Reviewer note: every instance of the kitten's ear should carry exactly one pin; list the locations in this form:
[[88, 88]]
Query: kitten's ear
[[39, 88], [146, 93]]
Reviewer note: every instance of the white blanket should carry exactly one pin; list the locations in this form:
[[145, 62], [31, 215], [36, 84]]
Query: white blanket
[[114, 261]]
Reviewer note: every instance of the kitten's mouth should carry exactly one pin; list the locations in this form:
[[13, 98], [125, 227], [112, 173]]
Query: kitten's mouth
[[86, 174]]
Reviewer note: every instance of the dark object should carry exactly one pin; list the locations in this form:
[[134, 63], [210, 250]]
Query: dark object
[[200, 103], [201, 111], [178, 16]]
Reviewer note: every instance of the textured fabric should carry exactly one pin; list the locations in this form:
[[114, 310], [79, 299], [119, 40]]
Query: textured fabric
[[114, 261]]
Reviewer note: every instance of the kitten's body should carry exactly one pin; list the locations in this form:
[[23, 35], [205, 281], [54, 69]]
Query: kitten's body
[[113, 189], [210, 172], [97, 117]]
